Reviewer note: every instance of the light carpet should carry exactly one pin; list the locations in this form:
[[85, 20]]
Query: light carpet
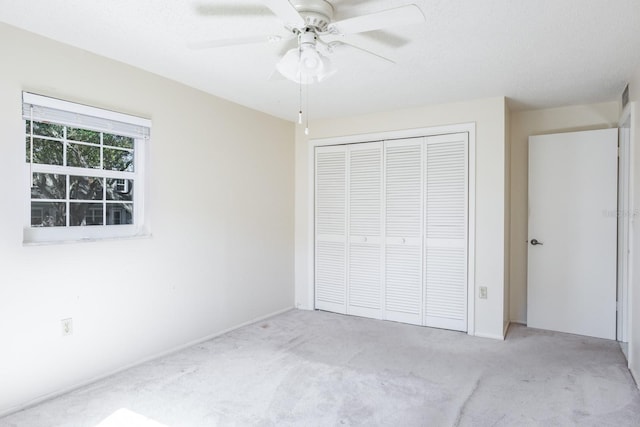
[[306, 368]]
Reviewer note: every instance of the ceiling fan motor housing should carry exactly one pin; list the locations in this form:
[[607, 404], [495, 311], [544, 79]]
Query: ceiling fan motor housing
[[317, 14]]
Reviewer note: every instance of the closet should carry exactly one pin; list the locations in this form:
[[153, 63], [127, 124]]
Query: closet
[[391, 229]]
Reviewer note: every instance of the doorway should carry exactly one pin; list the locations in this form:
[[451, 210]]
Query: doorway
[[572, 247]]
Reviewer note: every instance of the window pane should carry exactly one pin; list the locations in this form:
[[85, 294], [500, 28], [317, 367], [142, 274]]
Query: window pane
[[47, 152], [85, 188], [119, 213], [83, 135], [48, 186], [82, 214], [48, 214], [118, 141], [83, 156], [120, 189], [46, 129], [118, 160]]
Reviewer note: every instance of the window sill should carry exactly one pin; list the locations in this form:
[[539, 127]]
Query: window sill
[[33, 239]]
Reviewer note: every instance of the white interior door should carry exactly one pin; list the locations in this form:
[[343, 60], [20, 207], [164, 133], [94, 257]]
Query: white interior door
[[331, 229], [446, 224], [572, 233], [391, 230], [403, 230], [624, 227], [364, 262]]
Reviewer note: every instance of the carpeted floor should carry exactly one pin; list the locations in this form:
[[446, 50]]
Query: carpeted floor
[[306, 368]]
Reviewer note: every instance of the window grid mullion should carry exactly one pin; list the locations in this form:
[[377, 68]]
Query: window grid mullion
[[44, 137], [62, 170], [68, 198], [88, 144], [31, 150], [104, 181], [48, 200], [101, 151], [104, 201], [64, 146]]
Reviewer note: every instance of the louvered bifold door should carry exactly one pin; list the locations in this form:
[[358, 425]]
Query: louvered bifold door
[[446, 231], [403, 230], [330, 228], [364, 258]]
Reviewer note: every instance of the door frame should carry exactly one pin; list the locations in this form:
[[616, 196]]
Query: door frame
[[470, 128], [625, 219]]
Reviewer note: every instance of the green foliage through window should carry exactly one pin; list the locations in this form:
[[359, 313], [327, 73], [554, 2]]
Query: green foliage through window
[[90, 196]]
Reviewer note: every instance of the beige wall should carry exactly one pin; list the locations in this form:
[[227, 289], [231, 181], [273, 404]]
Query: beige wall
[[221, 207], [507, 222], [489, 116], [523, 125]]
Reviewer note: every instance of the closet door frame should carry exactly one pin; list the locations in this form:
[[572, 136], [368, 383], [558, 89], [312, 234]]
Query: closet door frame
[[470, 128]]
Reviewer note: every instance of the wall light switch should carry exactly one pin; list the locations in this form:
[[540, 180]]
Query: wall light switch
[[483, 292]]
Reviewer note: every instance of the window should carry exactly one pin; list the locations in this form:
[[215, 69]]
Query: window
[[85, 166]]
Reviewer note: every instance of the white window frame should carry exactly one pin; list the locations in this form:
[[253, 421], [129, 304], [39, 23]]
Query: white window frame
[[77, 115]]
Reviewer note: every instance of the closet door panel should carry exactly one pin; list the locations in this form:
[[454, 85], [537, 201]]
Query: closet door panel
[[403, 231], [365, 223], [391, 230], [446, 225], [330, 229]]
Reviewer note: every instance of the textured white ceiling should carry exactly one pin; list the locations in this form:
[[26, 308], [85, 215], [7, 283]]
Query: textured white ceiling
[[538, 53]]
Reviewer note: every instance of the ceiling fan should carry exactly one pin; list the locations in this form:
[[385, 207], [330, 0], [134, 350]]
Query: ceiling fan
[[319, 36]]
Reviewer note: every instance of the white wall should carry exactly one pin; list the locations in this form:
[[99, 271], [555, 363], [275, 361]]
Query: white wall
[[489, 116], [507, 223], [634, 287], [523, 125], [221, 205]]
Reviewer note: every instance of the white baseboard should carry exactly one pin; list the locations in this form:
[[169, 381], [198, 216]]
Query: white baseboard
[[506, 329], [303, 306], [492, 336], [65, 390]]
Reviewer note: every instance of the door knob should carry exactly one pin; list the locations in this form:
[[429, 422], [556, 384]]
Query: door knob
[[535, 242]]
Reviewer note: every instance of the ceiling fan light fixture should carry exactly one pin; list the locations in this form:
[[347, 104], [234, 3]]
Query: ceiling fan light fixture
[[328, 69], [289, 65], [305, 65], [310, 61]]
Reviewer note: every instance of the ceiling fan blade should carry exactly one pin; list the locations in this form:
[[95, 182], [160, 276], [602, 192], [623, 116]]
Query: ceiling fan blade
[[400, 16], [210, 44], [360, 42], [276, 76], [286, 12], [337, 44], [228, 8]]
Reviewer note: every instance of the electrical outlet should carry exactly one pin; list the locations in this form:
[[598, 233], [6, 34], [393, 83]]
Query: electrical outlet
[[483, 292], [67, 326]]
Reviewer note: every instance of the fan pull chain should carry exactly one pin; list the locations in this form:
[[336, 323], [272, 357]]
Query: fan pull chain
[[306, 129], [300, 104]]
